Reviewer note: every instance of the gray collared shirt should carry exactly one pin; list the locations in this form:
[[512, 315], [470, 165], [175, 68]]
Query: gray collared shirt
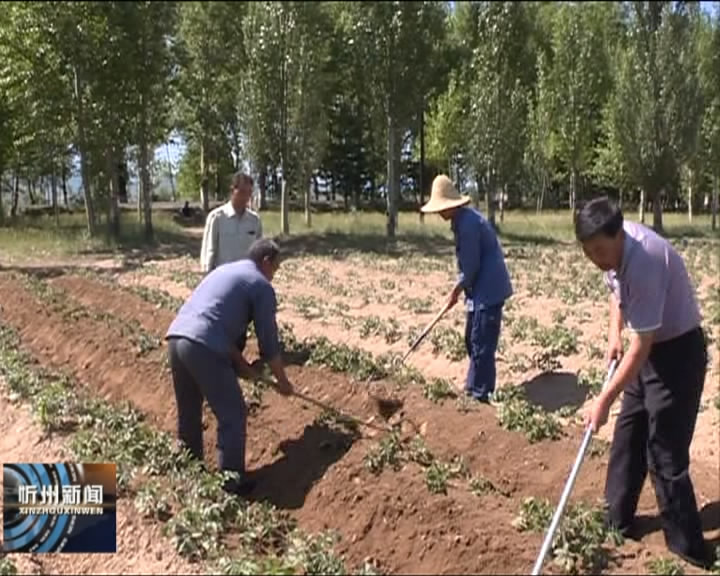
[[221, 307], [228, 236], [652, 286]]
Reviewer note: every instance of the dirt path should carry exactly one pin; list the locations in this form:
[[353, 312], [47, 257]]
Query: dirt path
[[392, 518], [141, 547]]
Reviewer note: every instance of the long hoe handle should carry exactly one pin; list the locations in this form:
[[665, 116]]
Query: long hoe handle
[[568, 488], [426, 331]]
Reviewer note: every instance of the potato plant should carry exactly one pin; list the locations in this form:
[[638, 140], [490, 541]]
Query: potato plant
[[7, 566], [175, 489], [515, 413], [388, 453], [449, 341], [580, 541], [666, 566], [438, 389]]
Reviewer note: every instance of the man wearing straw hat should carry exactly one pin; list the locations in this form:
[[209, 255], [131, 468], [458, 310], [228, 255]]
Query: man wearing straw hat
[[483, 278]]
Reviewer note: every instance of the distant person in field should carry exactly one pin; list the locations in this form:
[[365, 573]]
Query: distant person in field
[[186, 211], [206, 343], [662, 374], [230, 229], [484, 280]]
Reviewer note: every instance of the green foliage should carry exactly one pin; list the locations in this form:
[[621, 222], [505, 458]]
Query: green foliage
[[450, 341], [341, 358], [517, 414], [437, 389], [388, 453], [7, 567], [175, 489], [665, 566], [315, 554], [656, 109], [579, 543]]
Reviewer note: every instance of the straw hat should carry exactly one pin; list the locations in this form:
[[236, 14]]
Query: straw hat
[[444, 196]]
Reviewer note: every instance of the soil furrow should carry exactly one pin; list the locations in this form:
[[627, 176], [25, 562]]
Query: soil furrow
[[320, 474]]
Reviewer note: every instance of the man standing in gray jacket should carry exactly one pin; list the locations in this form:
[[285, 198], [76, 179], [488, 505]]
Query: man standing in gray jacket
[[230, 229]]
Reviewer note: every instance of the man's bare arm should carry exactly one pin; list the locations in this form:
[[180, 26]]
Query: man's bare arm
[[282, 385], [615, 327]]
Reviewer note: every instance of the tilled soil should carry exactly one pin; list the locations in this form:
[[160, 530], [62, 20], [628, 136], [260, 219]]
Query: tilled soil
[[319, 474]]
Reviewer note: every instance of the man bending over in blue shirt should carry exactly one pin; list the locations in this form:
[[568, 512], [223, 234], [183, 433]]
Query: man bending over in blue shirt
[[206, 342], [484, 279]]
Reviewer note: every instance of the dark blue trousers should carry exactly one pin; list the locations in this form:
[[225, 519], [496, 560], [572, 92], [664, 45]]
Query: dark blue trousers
[[482, 334], [653, 434], [198, 374]]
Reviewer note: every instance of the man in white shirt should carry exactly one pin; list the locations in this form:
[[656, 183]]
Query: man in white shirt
[[230, 229]]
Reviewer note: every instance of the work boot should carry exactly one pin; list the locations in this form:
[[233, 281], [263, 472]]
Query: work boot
[[702, 559], [241, 488]]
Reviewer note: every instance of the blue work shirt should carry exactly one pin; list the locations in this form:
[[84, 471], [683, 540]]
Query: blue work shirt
[[483, 273], [221, 307]]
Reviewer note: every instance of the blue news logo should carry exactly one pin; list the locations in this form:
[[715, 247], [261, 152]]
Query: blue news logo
[[59, 508]]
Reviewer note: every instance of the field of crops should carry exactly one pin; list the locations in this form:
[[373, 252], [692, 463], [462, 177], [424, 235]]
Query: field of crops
[[452, 486]]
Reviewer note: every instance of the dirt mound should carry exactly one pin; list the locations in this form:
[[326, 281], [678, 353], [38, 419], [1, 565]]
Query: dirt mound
[[321, 472]]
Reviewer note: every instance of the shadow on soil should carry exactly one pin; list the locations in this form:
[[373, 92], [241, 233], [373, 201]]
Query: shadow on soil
[[339, 245], [429, 245], [709, 516], [554, 390], [166, 245], [287, 481]]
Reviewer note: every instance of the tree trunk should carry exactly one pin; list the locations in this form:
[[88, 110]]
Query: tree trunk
[[54, 198], [113, 205], [15, 196], [64, 186], [2, 208], [31, 191], [642, 206], [218, 193], [355, 196], [308, 201], [502, 203], [275, 183], [573, 189], [541, 198], [84, 162], [690, 201], [139, 203], [262, 183], [204, 181], [284, 208], [170, 173], [393, 177], [284, 96], [489, 197], [145, 180], [657, 212], [714, 208], [421, 178]]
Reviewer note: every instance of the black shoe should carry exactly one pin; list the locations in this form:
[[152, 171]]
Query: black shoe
[[242, 489], [482, 399], [704, 560], [628, 532]]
